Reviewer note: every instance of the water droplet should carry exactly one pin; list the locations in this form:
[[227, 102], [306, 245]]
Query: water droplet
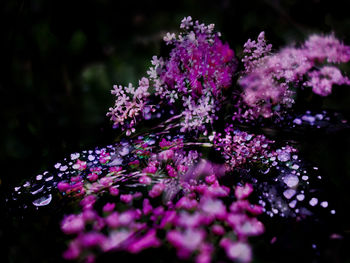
[[293, 203], [63, 168], [289, 193], [295, 166], [57, 165], [313, 201], [298, 121], [39, 177], [291, 180], [42, 201], [324, 204], [283, 156], [38, 191], [124, 151], [305, 177], [49, 178], [91, 157], [74, 156], [332, 212], [300, 197], [27, 184], [116, 161]]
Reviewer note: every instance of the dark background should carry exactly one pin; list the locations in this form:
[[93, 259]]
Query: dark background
[[59, 60]]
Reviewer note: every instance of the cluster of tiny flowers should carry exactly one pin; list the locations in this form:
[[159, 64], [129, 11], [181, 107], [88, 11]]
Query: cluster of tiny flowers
[[202, 221], [240, 148], [130, 105], [268, 80], [159, 190], [192, 78], [198, 68]]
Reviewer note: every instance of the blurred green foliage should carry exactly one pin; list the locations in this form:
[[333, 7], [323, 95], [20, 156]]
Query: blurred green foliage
[[59, 60]]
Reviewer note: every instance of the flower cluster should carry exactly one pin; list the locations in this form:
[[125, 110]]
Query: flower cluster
[[130, 105], [204, 219], [192, 78], [269, 79], [159, 190]]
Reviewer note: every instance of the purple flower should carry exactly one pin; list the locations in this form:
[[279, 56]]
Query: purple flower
[[109, 207], [73, 224], [112, 220], [237, 251], [148, 240], [156, 190], [185, 242], [114, 191], [91, 239], [242, 192], [73, 251], [126, 198]]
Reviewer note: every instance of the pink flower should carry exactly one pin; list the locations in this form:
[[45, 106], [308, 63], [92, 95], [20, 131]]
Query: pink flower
[[146, 207], [218, 230], [89, 215], [104, 157], [171, 171], [109, 207], [156, 190], [63, 186], [92, 177], [150, 170], [80, 165], [186, 203], [213, 208], [106, 181], [91, 239], [112, 220], [145, 180], [166, 155], [189, 220], [126, 198], [73, 224], [210, 179], [185, 242], [168, 218], [182, 168], [115, 169], [238, 251], [242, 192], [88, 201], [114, 191], [73, 250], [205, 252], [148, 240]]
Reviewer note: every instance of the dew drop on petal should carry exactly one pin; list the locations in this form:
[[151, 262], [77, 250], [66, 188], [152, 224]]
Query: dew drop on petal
[[295, 167], [291, 180], [42, 201], [293, 203], [38, 191], [324, 204], [313, 201], [289, 193], [283, 156], [300, 197]]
